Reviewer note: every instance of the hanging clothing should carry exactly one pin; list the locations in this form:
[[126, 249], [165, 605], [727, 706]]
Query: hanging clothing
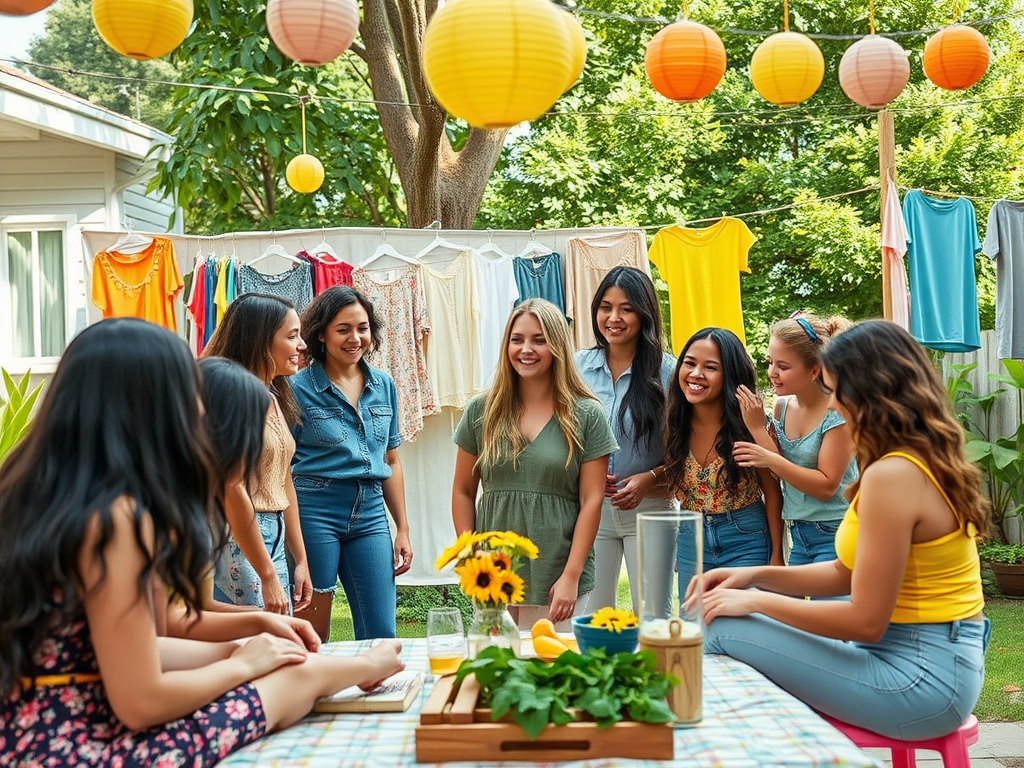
[[453, 346], [541, 278], [1004, 244], [225, 286], [702, 268], [943, 237], [587, 261], [894, 246], [142, 284], [294, 284], [196, 306], [327, 272], [498, 295], [401, 309]]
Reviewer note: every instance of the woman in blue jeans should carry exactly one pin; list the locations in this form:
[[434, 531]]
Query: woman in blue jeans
[[741, 506], [346, 467], [814, 455], [904, 656]]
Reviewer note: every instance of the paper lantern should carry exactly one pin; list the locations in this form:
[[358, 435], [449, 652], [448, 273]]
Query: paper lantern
[[578, 43], [312, 32], [305, 174], [142, 29], [787, 68], [23, 7], [496, 63], [956, 57], [874, 71], [685, 61]]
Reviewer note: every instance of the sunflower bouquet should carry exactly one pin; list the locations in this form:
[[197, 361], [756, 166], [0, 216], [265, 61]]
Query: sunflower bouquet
[[486, 565]]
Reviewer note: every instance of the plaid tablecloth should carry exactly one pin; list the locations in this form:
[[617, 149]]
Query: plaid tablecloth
[[748, 723]]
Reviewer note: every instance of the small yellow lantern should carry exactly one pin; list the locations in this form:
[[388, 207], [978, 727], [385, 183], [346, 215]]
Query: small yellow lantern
[[23, 7], [874, 71], [956, 57], [305, 174], [496, 63], [312, 32], [578, 41], [685, 61], [142, 29], [787, 68]]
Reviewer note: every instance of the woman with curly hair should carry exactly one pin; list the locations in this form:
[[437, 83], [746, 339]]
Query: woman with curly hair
[[903, 657]]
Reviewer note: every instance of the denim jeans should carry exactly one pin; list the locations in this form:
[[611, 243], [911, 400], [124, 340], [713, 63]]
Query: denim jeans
[[236, 581], [345, 529], [920, 681], [730, 539], [813, 542]]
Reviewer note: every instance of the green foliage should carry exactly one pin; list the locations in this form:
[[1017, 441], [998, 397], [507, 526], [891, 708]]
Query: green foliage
[[415, 602], [539, 693], [1004, 663], [16, 406], [1010, 554]]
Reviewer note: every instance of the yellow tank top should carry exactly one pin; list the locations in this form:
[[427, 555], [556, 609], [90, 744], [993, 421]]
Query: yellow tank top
[[942, 581]]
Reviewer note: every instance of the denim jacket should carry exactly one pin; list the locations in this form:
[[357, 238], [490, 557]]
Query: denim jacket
[[335, 440]]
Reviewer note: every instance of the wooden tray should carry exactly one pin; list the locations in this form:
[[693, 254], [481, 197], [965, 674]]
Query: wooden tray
[[452, 727]]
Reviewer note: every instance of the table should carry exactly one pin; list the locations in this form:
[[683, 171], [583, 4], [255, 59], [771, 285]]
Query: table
[[748, 722]]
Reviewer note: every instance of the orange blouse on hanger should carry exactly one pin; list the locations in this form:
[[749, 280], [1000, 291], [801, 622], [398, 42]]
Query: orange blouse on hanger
[[142, 284]]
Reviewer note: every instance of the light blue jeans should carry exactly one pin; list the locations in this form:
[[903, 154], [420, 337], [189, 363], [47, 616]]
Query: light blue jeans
[[920, 681], [345, 530], [234, 578], [730, 539], [813, 542]]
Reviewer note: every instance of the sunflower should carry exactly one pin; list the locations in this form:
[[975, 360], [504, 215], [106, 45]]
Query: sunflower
[[520, 545], [613, 619], [478, 579], [501, 560], [509, 587], [461, 548]]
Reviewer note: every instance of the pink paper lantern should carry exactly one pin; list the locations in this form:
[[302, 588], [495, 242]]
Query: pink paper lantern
[[874, 71], [312, 32]]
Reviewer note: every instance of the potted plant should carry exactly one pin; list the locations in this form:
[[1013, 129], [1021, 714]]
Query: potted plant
[[616, 631], [16, 404], [1007, 564]]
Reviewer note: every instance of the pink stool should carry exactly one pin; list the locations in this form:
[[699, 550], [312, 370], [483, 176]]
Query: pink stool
[[952, 747]]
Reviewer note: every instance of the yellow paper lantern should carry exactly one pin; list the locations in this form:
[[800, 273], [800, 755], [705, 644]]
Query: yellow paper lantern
[[787, 68], [23, 7], [312, 32], [305, 174], [874, 71], [142, 29], [685, 61], [496, 63], [578, 41], [956, 57]]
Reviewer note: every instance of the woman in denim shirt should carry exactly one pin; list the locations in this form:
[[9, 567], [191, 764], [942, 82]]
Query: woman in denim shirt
[[347, 467]]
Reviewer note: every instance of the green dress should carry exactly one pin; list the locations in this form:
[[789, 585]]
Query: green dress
[[540, 496]]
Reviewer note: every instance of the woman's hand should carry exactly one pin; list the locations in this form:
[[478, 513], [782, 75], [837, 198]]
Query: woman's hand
[[403, 553], [299, 631], [729, 602], [728, 578], [274, 598], [632, 490], [610, 486], [752, 455], [303, 586], [384, 662], [562, 598], [752, 407], [265, 652]]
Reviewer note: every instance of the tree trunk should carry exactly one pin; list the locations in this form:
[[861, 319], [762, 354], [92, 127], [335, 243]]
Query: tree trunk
[[440, 184]]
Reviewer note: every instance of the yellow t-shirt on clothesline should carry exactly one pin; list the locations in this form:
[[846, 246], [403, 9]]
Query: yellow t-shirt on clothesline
[[142, 284]]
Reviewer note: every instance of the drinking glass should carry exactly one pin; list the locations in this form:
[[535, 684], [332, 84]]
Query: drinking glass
[[446, 640]]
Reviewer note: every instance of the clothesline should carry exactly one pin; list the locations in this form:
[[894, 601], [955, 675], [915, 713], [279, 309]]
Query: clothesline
[[950, 194]]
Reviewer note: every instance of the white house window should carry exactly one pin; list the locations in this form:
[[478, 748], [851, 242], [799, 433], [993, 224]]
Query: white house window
[[32, 270]]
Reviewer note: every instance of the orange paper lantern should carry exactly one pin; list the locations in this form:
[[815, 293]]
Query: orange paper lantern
[[874, 71], [685, 61], [312, 32], [142, 29], [956, 57], [787, 68], [23, 7], [304, 174]]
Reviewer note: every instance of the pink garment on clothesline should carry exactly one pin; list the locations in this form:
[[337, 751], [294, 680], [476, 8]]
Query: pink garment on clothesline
[[894, 247]]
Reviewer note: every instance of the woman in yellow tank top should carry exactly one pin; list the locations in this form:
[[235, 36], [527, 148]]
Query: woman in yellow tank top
[[903, 657]]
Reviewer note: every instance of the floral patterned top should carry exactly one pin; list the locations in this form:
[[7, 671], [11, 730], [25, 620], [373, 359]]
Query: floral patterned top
[[705, 489]]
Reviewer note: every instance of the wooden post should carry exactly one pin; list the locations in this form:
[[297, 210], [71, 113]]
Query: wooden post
[[886, 170]]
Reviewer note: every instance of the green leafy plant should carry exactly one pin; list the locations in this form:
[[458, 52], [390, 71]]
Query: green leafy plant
[[537, 693], [15, 411], [1010, 554], [1000, 457]]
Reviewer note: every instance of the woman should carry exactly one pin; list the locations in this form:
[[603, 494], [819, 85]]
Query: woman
[[903, 657], [538, 442], [742, 507], [262, 333], [110, 494], [814, 455], [347, 467], [628, 370]]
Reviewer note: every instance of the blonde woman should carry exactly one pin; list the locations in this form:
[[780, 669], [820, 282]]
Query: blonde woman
[[538, 442]]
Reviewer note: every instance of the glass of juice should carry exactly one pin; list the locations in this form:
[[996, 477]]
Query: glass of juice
[[446, 640]]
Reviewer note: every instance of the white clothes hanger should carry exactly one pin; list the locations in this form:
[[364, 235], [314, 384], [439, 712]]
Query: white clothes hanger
[[384, 250], [324, 248], [490, 247], [131, 241], [534, 248], [438, 242], [276, 250]]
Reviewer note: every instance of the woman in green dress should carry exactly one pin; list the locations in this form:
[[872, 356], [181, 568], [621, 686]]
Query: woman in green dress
[[538, 442]]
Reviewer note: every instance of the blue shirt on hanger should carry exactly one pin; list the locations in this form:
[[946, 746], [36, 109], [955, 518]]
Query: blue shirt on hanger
[[540, 278]]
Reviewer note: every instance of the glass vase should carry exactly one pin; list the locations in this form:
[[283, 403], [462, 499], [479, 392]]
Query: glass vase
[[492, 625]]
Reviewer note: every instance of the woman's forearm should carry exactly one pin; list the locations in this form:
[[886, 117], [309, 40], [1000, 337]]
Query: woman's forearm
[[394, 495], [241, 517]]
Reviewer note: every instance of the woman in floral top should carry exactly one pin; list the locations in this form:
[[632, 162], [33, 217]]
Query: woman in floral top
[[107, 501], [742, 507]]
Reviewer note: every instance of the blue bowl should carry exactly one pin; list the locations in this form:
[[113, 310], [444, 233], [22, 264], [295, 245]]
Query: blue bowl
[[598, 637]]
